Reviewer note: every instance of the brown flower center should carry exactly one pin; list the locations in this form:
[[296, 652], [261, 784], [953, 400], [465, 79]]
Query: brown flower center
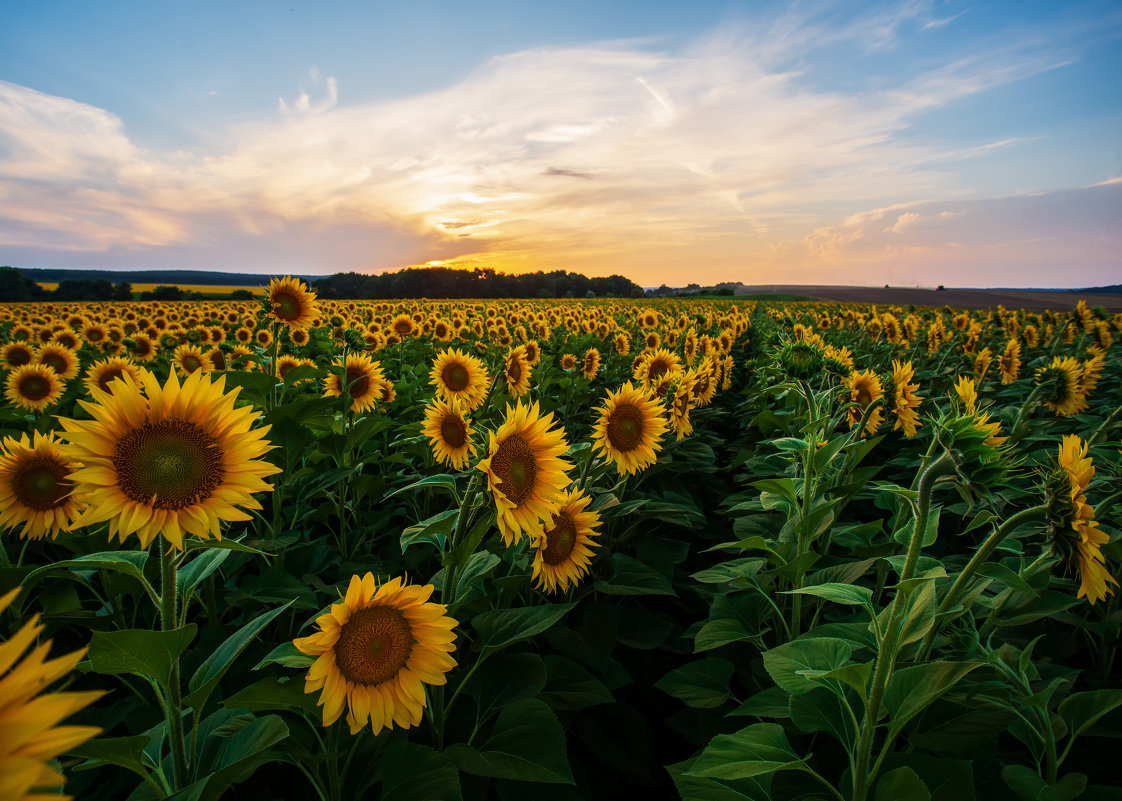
[[358, 381], [625, 427], [403, 326], [190, 362], [34, 387], [18, 356], [455, 377], [107, 375], [41, 483], [657, 368], [560, 540], [516, 466], [168, 465], [453, 430], [514, 370], [286, 306], [373, 645]]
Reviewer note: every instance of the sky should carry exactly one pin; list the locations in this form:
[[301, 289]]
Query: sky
[[911, 143]]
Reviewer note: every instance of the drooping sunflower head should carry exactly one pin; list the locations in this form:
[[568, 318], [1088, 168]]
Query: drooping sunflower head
[[36, 489], [1010, 361], [563, 552], [631, 423], [906, 401], [166, 459], [801, 359], [525, 470], [33, 387], [1060, 389], [291, 302], [376, 650], [449, 433], [102, 373], [863, 390], [361, 378], [461, 377], [516, 371], [590, 364]]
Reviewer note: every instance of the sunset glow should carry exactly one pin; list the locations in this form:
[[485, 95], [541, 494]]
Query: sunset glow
[[912, 143]]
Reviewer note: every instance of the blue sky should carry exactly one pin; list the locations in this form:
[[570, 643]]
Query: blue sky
[[829, 142]]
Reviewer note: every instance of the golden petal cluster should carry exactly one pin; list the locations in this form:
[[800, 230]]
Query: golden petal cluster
[[292, 302], [563, 551], [631, 423], [461, 377], [30, 734], [33, 387], [1080, 469], [363, 379], [376, 650], [525, 472], [449, 433], [36, 486], [863, 389], [907, 401], [171, 459]]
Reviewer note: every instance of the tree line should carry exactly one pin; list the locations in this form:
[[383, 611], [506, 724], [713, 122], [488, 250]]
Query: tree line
[[445, 282]]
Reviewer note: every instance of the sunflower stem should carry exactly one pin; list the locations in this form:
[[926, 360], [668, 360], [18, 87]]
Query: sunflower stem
[[1107, 425], [169, 565], [448, 594], [1029, 515], [887, 650]]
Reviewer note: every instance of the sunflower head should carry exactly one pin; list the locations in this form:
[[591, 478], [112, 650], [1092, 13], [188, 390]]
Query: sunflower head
[[563, 551], [449, 433], [516, 371], [102, 373], [568, 362], [590, 364], [36, 486], [801, 359], [15, 354], [461, 377], [361, 378], [906, 402], [631, 423], [863, 390], [290, 302], [982, 461], [33, 387], [1060, 388], [376, 650]]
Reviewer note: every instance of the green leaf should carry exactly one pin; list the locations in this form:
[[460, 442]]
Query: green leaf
[[413, 772], [211, 671], [125, 752], [912, 689], [902, 784], [443, 481], [848, 594], [632, 577], [527, 744], [236, 758], [786, 663], [703, 684], [757, 750], [774, 702], [506, 678], [980, 519], [288, 655], [783, 487], [272, 693], [716, 633], [140, 651], [502, 627], [571, 687], [131, 563], [1007, 576], [228, 545], [433, 530], [1080, 710], [1028, 786], [196, 570], [825, 710]]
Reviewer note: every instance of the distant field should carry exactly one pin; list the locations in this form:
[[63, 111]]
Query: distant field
[[207, 289]]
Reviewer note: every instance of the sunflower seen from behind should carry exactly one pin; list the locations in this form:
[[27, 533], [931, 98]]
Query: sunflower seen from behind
[[631, 423], [376, 650], [563, 551], [525, 471], [173, 460], [449, 433], [31, 738], [36, 486], [1060, 388]]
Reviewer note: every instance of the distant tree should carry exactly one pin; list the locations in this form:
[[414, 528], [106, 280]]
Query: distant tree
[[163, 292], [241, 294], [15, 287], [122, 291]]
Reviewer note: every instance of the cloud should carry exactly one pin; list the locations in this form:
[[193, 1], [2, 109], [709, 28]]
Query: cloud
[[603, 157]]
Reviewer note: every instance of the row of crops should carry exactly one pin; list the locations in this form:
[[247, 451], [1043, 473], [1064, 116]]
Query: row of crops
[[712, 550]]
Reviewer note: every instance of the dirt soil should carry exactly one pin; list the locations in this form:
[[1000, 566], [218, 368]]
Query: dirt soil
[[955, 298]]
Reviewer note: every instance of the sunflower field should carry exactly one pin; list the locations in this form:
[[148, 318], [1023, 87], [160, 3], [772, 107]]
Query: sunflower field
[[407, 550]]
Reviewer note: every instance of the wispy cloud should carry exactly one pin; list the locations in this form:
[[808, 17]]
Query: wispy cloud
[[604, 157]]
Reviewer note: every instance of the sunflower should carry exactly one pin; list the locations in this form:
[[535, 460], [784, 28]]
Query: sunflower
[[630, 426], [244, 335], [1092, 369], [167, 459], [62, 360], [568, 362], [655, 366], [67, 339], [363, 381], [33, 387], [15, 354], [403, 326], [622, 344], [681, 403], [35, 486], [1078, 470], [143, 349], [906, 399], [1010, 361], [516, 371], [525, 471], [864, 389], [1060, 386], [461, 377], [563, 551], [449, 433], [102, 373], [705, 382], [982, 363], [32, 739], [689, 347], [533, 352], [292, 302], [590, 365], [263, 337], [299, 337], [376, 650], [967, 393], [190, 359]]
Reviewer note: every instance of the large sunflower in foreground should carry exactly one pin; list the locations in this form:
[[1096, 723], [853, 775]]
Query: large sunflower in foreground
[[525, 472], [907, 402], [30, 737], [1078, 470], [36, 486], [33, 387], [461, 377], [631, 424], [563, 551], [292, 302], [864, 389], [376, 650], [449, 433], [1060, 386], [167, 460]]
